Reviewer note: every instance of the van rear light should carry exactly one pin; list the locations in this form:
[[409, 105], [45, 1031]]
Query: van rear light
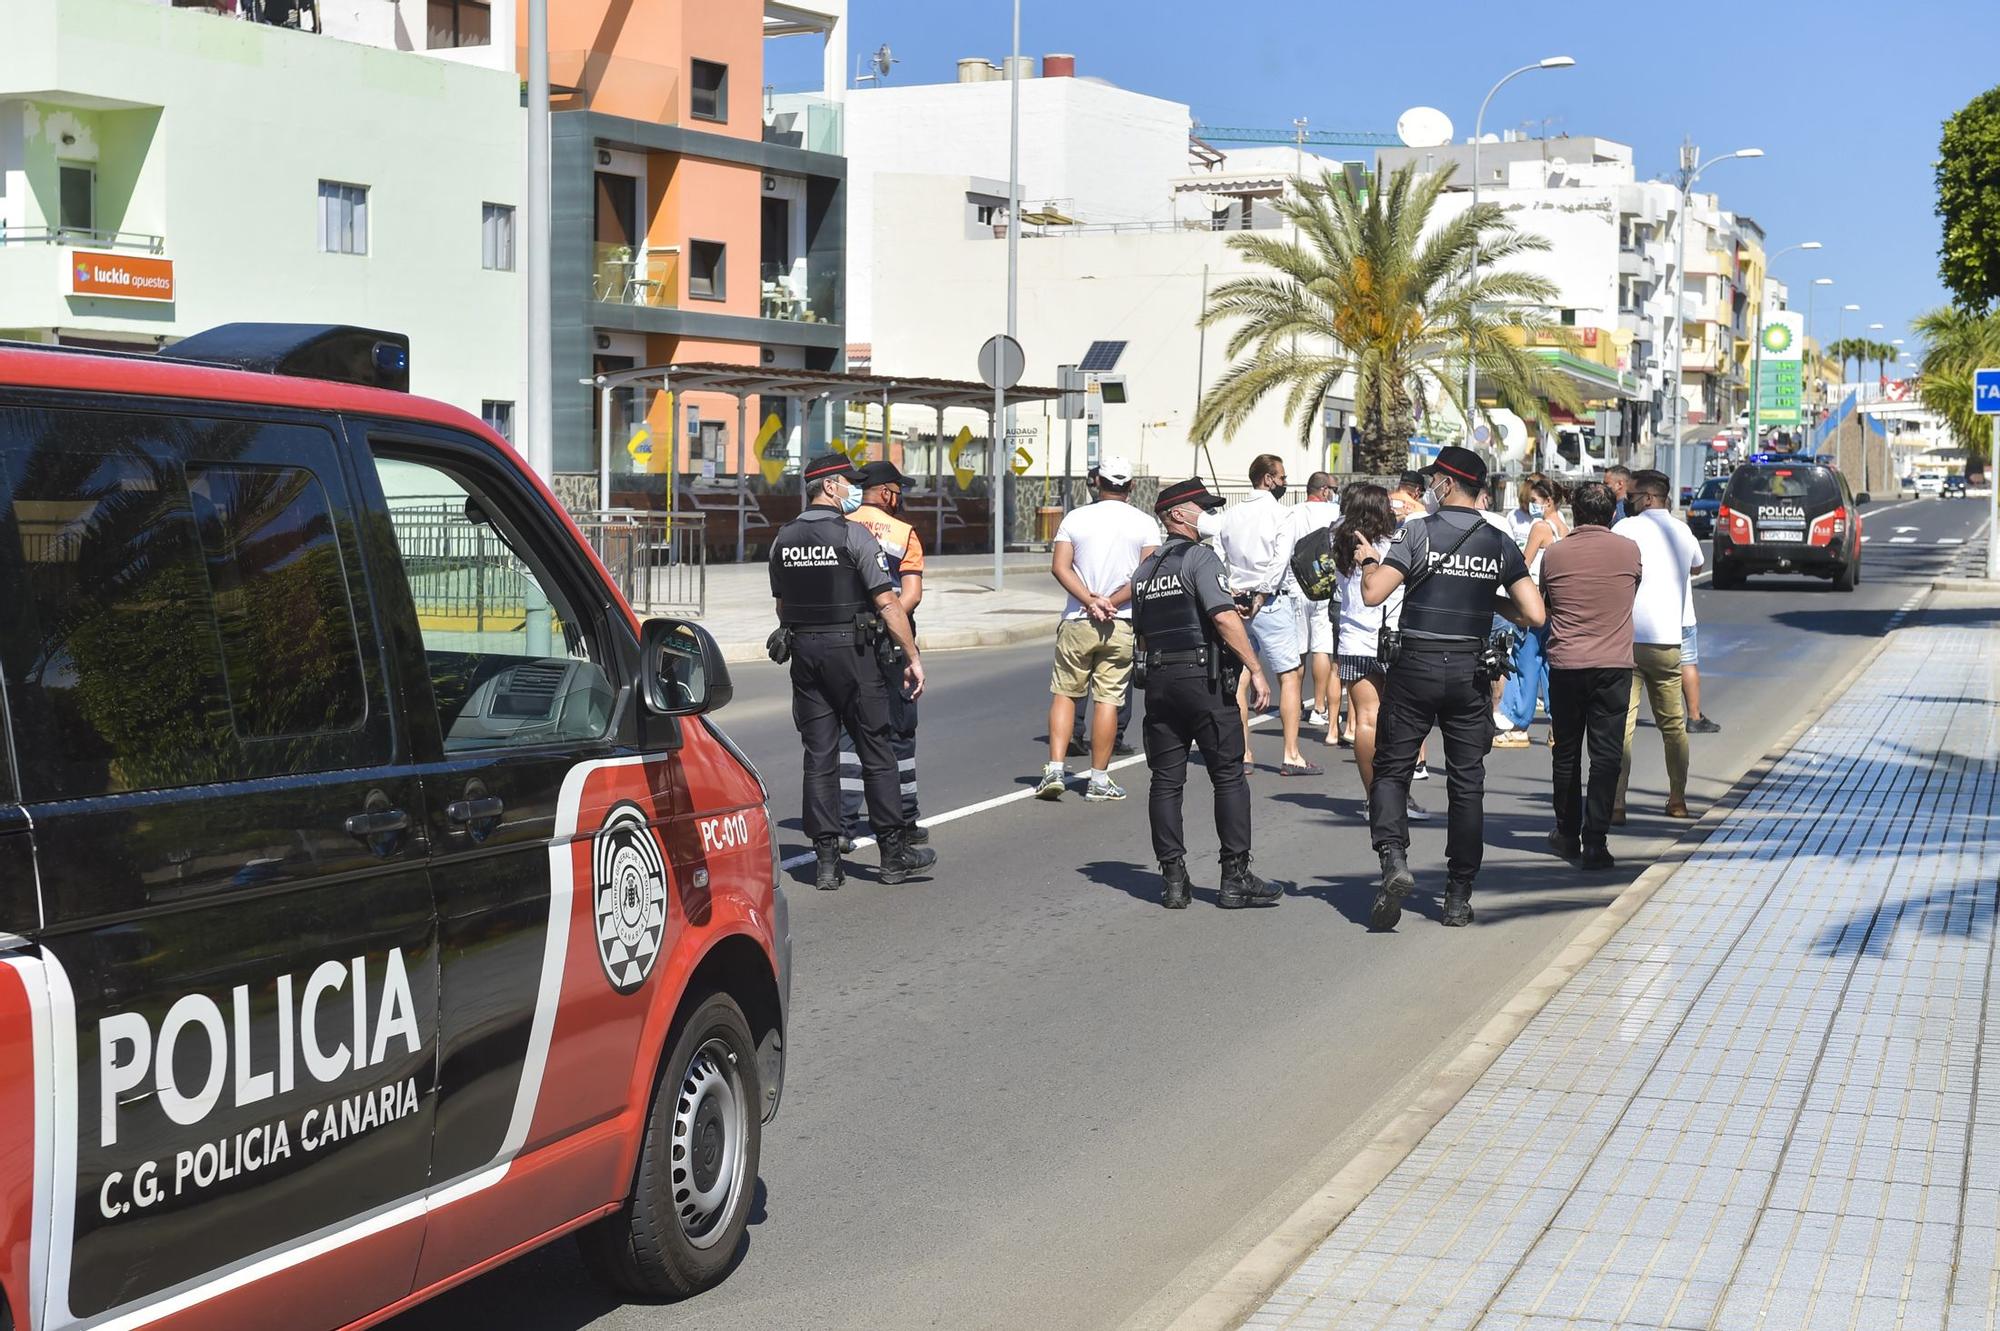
[[1828, 529], [1733, 524]]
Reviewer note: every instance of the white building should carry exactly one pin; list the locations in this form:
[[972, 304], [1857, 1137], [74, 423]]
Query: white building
[[164, 170]]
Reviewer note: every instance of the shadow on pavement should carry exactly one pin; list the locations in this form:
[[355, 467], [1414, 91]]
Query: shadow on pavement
[[1869, 623]]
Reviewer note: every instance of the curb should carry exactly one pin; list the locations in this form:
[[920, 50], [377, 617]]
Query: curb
[[949, 640], [1244, 1288]]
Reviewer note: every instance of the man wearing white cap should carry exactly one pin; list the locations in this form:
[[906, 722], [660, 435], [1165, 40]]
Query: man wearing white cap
[[1096, 548]]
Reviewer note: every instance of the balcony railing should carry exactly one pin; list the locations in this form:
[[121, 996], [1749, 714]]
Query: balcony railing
[[802, 120], [786, 297], [649, 277], [82, 237]]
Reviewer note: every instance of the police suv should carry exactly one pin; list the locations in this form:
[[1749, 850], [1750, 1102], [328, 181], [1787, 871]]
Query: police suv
[[1786, 513], [377, 901]]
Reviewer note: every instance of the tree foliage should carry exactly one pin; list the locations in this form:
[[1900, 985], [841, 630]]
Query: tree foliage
[[1957, 342], [1968, 199], [1368, 287]]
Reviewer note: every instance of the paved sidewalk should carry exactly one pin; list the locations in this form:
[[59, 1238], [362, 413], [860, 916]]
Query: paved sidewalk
[[1773, 1098], [960, 607]]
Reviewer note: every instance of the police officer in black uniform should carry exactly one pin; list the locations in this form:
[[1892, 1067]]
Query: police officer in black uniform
[[1192, 647], [1451, 565], [836, 601]]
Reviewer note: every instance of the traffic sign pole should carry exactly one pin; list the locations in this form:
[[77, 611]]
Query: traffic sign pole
[[1986, 401]]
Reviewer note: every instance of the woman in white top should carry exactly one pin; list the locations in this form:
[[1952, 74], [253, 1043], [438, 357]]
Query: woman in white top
[[1366, 524], [1517, 700]]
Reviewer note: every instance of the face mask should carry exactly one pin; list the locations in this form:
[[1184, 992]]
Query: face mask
[[1277, 492], [1534, 510], [1431, 501], [891, 502], [851, 500]]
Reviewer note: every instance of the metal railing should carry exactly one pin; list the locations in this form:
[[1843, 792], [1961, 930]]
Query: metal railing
[[660, 566], [73, 235], [621, 277]]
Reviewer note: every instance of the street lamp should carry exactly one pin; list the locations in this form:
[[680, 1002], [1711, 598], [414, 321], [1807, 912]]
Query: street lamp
[[1472, 277], [1812, 410], [1691, 168], [1753, 432], [1840, 336]]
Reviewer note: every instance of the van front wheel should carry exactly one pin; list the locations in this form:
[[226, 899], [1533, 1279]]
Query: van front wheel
[[678, 1232]]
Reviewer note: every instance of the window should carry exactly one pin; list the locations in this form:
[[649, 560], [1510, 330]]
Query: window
[[705, 269], [510, 664], [343, 218], [76, 198], [986, 213], [499, 418], [709, 91], [459, 23], [496, 236], [167, 619]]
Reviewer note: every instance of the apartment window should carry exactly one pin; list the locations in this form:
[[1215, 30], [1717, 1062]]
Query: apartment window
[[709, 91], [343, 218], [76, 197], [1569, 318], [706, 261], [496, 236], [459, 23], [986, 212], [499, 418]]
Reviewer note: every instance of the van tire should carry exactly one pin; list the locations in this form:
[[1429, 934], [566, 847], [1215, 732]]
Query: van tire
[[1849, 574], [665, 1242]]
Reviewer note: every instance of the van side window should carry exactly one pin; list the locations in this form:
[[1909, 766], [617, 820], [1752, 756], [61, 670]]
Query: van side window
[[170, 615], [510, 663]]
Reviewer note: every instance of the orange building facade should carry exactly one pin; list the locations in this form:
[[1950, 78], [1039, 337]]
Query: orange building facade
[[696, 217]]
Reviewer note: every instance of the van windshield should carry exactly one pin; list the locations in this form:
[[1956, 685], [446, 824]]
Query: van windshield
[[1815, 487]]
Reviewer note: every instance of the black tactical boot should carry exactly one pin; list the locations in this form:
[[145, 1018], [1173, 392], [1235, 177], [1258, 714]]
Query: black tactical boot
[[846, 844], [1397, 880], [899, 858], [1179, 890], [919, 836], [1596, 857], [1457, 904], [831, 875], [1240, 887]]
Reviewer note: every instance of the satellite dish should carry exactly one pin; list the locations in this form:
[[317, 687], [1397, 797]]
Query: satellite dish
[[1423, 127], [883, 59]]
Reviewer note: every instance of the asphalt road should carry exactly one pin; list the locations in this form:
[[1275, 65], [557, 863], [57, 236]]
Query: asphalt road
[[1022, 1095]]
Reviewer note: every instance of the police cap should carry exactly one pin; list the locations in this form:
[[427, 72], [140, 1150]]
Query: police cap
[[1461, 464], [829, 465], [1190, 491], [881, 473]]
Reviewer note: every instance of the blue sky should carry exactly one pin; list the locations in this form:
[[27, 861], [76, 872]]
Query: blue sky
[[1846, 99]]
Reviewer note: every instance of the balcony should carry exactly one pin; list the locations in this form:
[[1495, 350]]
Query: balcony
[[788, 297], [649, 277], [1636, 262], [805, 120], [136, 241]]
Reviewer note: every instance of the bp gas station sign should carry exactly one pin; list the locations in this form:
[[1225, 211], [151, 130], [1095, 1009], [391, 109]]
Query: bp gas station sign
[[1780, 369]]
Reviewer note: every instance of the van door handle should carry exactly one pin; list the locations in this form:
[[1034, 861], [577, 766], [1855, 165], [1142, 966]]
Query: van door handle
[[377, 823], [481, 810]]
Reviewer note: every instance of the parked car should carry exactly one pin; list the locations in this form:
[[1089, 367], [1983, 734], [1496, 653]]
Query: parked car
[[1701, 509], [1788, 516], [1954, 487], [1930, 487], [378, 899]]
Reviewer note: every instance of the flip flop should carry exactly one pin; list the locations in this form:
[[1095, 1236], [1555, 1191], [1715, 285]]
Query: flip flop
[[1292, 769]]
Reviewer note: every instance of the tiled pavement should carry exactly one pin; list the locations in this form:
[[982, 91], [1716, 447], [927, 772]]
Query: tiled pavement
[[1772, 1100]]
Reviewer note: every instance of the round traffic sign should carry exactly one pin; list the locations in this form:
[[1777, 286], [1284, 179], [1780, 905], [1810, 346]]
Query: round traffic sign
[[1001, 362], [1480, 434]]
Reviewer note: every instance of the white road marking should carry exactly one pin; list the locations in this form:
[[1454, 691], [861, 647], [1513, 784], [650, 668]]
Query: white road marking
[[966, 811], [1902, 540], [1901, 530], [1866, 539], [1951, 540]]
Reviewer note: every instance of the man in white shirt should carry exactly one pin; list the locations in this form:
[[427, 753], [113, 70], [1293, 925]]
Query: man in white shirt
[[1315, 618], [1096, 549], [1669, 556], [1255, 538]]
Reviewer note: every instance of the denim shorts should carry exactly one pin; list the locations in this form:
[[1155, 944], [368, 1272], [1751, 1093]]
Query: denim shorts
[[1274, 632], [1690, 652]]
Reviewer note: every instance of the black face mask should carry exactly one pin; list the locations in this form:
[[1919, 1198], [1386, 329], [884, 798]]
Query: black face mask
[[1278, 491]]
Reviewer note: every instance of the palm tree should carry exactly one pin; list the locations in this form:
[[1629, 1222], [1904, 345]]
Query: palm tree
[[1363, 290], [1845, 349], [1882, 353], [1957, 342]]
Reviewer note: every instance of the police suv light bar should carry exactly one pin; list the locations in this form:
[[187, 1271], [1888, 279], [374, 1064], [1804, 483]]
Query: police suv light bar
[[338, 352]]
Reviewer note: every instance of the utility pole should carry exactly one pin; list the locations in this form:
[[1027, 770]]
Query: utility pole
[[541, 348], [1001, 411]]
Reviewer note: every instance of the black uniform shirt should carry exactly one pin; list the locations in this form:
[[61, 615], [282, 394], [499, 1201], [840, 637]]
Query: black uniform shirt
[[1161, 591], [1455, 600], [811, 549]]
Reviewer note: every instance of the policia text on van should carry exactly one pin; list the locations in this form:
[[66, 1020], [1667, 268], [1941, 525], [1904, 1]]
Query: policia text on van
[[377, 900]]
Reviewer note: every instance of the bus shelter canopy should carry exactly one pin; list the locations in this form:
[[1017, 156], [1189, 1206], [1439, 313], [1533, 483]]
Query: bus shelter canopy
[[766, 381]]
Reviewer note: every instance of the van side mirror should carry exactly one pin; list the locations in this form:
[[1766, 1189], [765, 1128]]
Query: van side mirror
[[681, 669], [1861, 499]]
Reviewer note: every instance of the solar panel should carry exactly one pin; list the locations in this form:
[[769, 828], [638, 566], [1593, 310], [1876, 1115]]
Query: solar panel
[[1101, 357]]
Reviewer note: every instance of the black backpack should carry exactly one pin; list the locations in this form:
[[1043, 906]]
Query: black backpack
[[1312, 565]]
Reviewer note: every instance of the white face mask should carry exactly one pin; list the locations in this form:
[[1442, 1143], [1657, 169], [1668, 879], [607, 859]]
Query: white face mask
[[1432, 503]]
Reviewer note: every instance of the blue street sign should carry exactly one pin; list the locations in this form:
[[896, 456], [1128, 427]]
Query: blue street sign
[[1986, 392]]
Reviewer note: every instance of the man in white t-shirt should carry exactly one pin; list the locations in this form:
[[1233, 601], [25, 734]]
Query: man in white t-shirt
[[1314, 618], [1669, 555], [1096, 549]]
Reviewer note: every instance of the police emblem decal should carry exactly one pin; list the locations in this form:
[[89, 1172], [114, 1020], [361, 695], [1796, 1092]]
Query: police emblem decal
[[630, 882]]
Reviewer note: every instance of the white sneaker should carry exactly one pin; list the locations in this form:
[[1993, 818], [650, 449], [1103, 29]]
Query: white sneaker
[[1418, 813], [1053, 780], [1317, 718], [1500, 721]]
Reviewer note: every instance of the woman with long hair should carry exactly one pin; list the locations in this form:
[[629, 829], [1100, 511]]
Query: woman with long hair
[[1367, 523], [1546, 497]]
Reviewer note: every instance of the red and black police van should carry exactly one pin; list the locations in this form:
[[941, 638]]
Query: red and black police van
[[1788, 513], [377, 900]]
